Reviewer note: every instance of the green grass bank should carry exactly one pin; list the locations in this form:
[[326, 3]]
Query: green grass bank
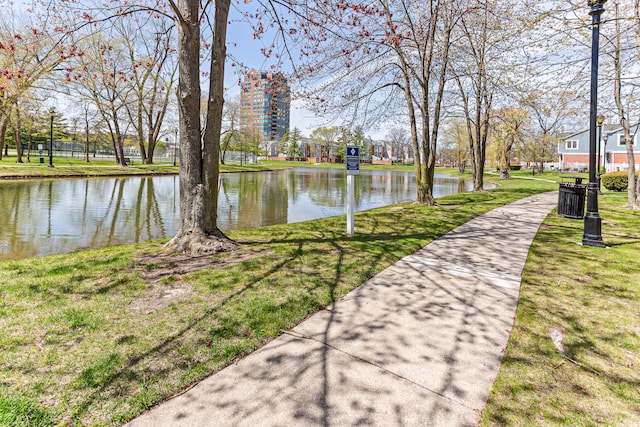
[[66, 167]]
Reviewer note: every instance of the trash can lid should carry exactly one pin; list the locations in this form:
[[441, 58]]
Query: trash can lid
[[577, 179]]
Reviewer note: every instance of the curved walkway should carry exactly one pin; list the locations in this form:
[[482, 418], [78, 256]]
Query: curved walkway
[[418, 344]]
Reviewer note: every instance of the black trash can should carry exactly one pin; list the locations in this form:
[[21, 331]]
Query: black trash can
[[571, 198]]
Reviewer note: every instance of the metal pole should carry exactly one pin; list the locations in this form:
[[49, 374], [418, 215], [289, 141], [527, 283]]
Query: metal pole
[[51, 140], [350, 204], [592, 222], [175, 145]]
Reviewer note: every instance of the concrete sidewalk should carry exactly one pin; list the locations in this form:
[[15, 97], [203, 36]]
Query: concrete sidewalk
[[418, 344]]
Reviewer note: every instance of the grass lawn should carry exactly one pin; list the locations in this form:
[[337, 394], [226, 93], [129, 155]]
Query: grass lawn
[[574, 354], [96, 337], [66, 167]]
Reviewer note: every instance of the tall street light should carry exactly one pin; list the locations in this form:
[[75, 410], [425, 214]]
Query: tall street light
[[592, 222], [53, 112]]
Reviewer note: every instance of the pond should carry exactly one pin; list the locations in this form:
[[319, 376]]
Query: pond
[[57, 216]]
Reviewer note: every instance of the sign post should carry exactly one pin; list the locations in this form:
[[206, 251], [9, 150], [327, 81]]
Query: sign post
[[353, 168]]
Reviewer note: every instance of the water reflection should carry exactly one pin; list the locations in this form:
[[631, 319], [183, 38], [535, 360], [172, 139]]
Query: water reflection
[[55, 216]]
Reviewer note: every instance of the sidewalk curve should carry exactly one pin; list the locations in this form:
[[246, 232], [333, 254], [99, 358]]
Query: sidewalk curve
[[418, 344]]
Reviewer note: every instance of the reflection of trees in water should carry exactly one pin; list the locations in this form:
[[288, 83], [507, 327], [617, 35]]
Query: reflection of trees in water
[[111, 213], [291, 185], [42, 217], [152, 218], [461, 186], [12, 214], [328, 188], [132, 214], [275, 203], [24, 227], [225, 203], [252, 200], [249, 205], [445, 186]]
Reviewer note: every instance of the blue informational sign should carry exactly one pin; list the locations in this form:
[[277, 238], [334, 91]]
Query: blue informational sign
[[353, 160]]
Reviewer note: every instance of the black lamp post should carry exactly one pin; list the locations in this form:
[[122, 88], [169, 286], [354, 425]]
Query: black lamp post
[[598, 170], [175, 145], [53, 112], [592, 222]]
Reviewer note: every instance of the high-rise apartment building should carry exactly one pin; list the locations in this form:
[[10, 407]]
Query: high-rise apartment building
[[265, 105]]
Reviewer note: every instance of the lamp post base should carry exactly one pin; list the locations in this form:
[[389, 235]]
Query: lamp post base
[[593, 230], [592, 222]]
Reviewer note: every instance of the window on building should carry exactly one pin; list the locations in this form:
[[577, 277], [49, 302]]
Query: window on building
[[622, 141], [572, 144]]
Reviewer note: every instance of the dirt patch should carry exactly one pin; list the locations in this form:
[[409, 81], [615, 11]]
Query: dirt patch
[[156, 267], [160, 297], [164, 272]]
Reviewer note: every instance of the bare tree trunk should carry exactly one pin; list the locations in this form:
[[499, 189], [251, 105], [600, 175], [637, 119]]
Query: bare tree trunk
[[115, 148], [215, 104], [442, 82], [425, 154], [632, 195], [478, 120], [477, 129], [120, 147], [140, 133], [86, 136], [417, 161], [16, 136], [505, 161], [199, 169], [149, 153], [5, 124], [154, 127], [4, 120], [539, 159], [117, 138], [637, 191], [30, 139]]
